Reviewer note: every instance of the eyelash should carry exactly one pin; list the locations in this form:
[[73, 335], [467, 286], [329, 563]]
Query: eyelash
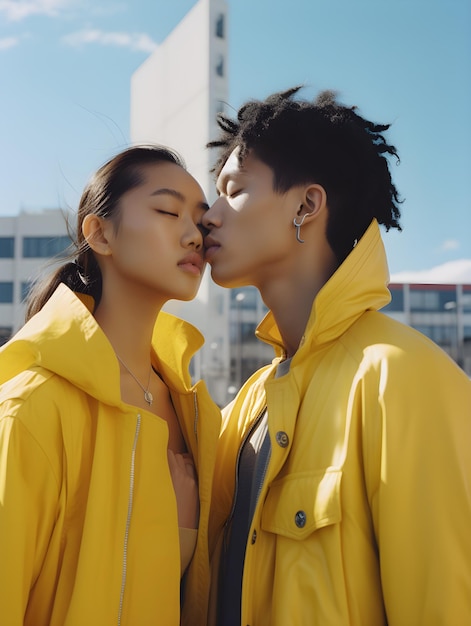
[[234, 194], [167, 213], [203, 230]]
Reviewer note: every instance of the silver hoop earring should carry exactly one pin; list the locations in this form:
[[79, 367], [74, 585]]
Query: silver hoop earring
[[298, 227]]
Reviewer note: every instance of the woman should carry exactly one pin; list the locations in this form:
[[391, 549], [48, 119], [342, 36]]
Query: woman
[[101, 431]]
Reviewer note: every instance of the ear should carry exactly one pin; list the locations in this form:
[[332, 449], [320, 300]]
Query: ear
[[94, 230], [314, 201]]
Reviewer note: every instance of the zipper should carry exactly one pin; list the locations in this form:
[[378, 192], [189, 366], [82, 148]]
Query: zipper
[[128, 519], [244, 441], [195, 421]]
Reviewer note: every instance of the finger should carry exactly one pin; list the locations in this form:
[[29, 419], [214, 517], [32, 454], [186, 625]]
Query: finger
[[184, 458], [190, 469], [173, 462]]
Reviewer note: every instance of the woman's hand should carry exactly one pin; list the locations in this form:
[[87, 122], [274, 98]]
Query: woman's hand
[[185, 484]]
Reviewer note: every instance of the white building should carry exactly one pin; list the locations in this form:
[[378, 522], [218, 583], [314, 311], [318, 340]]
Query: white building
[[28, 242], [175, 97]]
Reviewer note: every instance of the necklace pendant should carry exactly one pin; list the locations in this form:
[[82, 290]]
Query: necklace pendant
[[148, 397]]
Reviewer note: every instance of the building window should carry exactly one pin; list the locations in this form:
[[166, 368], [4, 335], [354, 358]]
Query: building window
[[397, 299], [6, 292], [7, 247], [466, 299], [220, 66], [45, 247], [220, 26], [431, 299], [5, 334], [243, 331], [25, 289], [245, 298]]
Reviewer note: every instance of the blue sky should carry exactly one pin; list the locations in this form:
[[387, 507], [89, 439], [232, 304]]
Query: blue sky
[[65, 69]]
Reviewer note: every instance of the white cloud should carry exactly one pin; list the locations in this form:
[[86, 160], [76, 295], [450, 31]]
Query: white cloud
[[134, 41], [9, 42], [450, 244], [98, 10], [16, 10], [450, 272]]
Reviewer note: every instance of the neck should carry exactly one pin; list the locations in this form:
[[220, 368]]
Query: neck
[[290, 299], [128, 324], [291, 312]]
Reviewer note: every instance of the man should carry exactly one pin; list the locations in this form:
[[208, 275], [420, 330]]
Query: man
[[343, 490]]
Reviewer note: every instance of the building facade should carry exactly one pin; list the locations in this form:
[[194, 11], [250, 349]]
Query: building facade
[[442, 312], [30, 243]]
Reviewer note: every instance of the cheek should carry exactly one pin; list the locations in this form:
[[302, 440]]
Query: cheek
[[138, 246], [140, 230]]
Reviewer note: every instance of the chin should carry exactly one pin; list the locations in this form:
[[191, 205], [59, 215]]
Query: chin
[[217, 277], [230, 282], [186, 297]]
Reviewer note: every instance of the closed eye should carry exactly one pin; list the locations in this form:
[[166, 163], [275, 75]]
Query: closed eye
[[234, 194], [162, 212]]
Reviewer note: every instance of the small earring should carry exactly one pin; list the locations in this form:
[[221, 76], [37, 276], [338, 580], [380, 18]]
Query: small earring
[[298, 225]]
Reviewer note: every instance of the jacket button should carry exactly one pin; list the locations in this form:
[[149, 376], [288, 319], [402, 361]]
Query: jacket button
[[300, 519], [254, 537], [282, 439]]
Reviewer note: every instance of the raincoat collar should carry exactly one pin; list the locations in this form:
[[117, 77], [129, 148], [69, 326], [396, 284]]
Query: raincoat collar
[[65, 339], [358, 285]]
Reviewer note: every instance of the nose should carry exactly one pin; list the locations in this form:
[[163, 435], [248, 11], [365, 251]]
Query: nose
[[194, 236], [211, 219]]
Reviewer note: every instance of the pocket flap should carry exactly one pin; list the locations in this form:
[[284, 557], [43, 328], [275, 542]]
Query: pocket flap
[[298, 504]]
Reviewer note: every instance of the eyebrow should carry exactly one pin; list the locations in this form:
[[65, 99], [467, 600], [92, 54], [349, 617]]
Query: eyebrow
[[166, 191]]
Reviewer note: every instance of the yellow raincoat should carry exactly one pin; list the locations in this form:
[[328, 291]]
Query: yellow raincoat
[[364, 517], [88, 517]]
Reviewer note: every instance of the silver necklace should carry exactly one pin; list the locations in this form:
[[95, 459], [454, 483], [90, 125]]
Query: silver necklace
[[148, 397]]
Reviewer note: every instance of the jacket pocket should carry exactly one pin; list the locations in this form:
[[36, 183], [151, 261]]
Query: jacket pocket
[[298, 504]]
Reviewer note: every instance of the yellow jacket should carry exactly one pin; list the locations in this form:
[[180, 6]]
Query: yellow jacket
[[364, 517], [88, 518]]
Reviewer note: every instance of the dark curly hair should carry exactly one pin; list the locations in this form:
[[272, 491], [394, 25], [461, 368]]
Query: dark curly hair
[[321, 142]]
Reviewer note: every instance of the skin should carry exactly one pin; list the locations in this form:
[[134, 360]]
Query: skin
[[252, 241], [152, 254]]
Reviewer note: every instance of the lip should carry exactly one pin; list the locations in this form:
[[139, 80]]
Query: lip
[[192, 263], [211, 246]]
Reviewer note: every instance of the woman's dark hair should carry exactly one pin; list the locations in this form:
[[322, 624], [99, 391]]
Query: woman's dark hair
[[100, 197], [319, 142]]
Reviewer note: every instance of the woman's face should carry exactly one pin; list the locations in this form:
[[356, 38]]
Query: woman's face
[[157, 244]]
